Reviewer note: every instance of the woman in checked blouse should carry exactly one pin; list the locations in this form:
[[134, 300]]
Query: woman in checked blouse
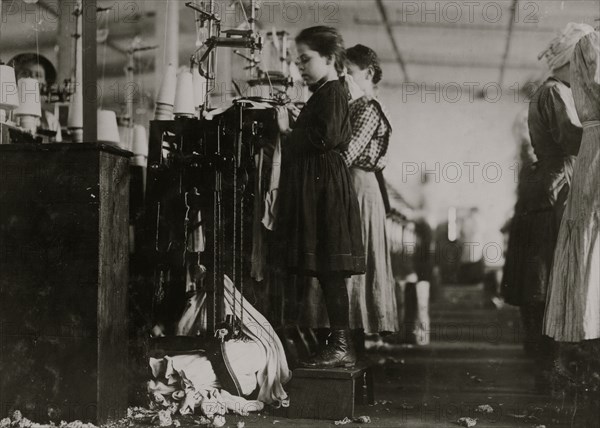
[[372, 297]]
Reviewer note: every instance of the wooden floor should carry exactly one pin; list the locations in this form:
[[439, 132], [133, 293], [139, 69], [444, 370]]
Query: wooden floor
[[475, 358]]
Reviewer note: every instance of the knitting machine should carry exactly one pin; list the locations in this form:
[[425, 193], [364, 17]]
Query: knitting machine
[[198, 205], [201, 182]]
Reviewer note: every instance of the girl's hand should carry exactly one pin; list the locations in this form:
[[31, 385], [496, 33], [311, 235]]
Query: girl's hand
[[283, 119], [294, 111]]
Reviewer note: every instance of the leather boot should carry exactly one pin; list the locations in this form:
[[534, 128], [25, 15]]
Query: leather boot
[[339, 352], [312, 340]]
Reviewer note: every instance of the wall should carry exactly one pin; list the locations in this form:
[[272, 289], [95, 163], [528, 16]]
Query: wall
[[431, 133]]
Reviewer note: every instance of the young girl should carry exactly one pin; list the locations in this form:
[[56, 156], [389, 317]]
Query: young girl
[[372, 304], [319, 216]]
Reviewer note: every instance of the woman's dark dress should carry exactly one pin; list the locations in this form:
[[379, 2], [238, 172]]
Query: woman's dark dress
[[542, 194], [319, 221]]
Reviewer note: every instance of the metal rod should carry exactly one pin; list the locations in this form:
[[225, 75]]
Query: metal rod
[[390, 32], [206, 15], [511, 23], [89, 71], [253, 16], [212, 58], [452, 62], [284, 53], [448, 25]]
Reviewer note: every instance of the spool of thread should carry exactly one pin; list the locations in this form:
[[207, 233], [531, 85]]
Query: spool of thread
[[163, 112], [139, 146], [165, 99], [29, 98], [77, 135], [30, 106], [108, 131], [29, 123], [184, 95], [9, 92], [75, 119], [126, 137]]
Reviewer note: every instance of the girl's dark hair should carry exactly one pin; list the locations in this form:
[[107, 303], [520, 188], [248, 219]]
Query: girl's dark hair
[[24, 59], [365, 57], [327, 41]]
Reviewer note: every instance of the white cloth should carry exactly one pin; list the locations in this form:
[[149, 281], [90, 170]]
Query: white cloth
[[271, 200], [275, 372], [184, 383], [182, 372], [269, 363], [560, 49], [194, 316]]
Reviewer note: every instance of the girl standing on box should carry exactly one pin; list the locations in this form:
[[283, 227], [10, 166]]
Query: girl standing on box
[[319, 218]]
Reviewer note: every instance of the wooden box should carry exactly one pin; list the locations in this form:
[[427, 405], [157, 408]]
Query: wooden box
[[63, 281], [328, 393]]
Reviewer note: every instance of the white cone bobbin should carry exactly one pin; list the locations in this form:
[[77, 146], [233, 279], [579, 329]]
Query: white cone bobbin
[[184, 95], [9, 92], [108, 131], [139, 146], [165, 98]]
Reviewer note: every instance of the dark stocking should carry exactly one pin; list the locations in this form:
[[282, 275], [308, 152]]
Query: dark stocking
[[336, 300]]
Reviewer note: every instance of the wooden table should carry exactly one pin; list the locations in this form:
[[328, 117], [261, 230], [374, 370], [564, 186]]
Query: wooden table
[[63, 280]]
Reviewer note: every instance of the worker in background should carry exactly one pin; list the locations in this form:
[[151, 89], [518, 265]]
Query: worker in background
[[38, 67], [555, 132]]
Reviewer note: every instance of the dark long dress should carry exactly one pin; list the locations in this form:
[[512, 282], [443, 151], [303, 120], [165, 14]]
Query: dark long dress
[[319, 220], [542, 193]]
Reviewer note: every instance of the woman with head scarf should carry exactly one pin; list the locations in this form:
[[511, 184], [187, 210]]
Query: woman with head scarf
[[555, 132], [31, 65], [573, 308]]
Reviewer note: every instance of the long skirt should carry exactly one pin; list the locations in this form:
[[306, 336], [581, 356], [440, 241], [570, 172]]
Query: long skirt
[[531, 245], [372, 295], [573, 305], [541, 201], [319, 219]]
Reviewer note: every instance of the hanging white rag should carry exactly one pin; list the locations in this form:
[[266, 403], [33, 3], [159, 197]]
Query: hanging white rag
[[271, 205]]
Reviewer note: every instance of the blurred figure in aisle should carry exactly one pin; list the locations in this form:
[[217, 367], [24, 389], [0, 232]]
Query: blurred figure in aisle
[[39, 67], [555, 133], [524, 160], [472, 265]]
